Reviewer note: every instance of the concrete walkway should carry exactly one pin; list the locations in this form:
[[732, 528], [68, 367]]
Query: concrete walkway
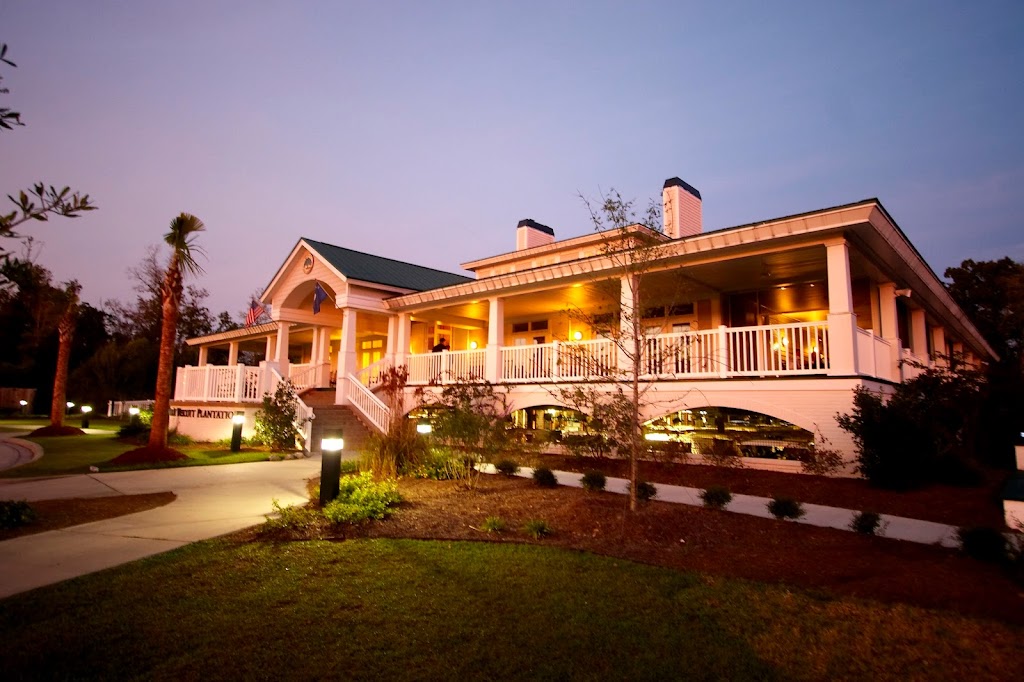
[[894, 527], [212, 501]]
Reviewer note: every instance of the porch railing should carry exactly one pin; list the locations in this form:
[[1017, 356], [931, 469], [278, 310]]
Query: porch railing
[[218, 383], [306, 375], [371, 374], [448, 366]]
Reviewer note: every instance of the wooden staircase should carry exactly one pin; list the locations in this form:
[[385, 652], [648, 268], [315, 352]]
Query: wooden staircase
[[332, 418]]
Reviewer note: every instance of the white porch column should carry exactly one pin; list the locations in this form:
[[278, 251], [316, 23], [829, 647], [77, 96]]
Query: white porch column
[[403, 331], [233, 353], [269, 354], [495, 337], [939, 358], [346, 354], [389, 349], [282, 348], [842, 321], [918, 334], [203, 353], [890, 327], [628, 317]]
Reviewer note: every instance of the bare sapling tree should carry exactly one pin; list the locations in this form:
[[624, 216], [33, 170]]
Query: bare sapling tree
[[630, 297]]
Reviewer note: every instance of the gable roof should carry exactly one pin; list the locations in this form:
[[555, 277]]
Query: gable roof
[[379, 270]]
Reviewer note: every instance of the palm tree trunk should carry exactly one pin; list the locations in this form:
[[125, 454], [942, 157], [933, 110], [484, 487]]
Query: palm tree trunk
[[168, 335], [65, 335]]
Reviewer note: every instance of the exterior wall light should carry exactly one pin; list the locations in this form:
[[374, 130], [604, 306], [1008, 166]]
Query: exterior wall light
[[330, 466], [236, 432], [577, 335], [473, 345]]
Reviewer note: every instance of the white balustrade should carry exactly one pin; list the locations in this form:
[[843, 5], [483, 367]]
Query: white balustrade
[[369, 405]]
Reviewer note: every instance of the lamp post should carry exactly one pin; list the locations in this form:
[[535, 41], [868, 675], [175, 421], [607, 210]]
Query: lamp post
[[330, 467], [236, 432], [86, 410]]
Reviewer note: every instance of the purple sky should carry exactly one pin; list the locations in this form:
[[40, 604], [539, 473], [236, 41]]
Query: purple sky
[[424, 131]]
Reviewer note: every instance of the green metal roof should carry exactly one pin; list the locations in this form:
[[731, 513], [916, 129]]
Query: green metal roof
[[380, 270]]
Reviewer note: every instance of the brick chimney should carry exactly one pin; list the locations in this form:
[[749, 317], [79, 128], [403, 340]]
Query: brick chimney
[[681, 209], [530, 233]]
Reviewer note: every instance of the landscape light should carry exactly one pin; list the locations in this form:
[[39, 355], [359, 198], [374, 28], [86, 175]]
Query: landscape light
[[236, 432], [133, 411], [86, 409], [23, 403], [330, 466], [69, 404]]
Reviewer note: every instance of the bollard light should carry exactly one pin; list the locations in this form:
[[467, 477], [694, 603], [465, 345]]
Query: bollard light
[[24, 406], [236, 432], [70, 405], [86, 410], [133, 416], [330, 466]]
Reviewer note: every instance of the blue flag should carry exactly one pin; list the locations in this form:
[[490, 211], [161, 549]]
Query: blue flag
[[318, 297]]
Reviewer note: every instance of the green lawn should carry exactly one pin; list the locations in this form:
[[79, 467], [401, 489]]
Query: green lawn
[[397, 610], [75, 454]]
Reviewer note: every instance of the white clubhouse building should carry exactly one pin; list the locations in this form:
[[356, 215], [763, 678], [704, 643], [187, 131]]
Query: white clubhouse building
[[772, 324]]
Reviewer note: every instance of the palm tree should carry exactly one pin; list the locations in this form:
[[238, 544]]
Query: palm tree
[[181, 238], [65, 334]]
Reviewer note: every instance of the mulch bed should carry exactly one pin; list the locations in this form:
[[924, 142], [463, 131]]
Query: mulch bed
[[711, 542], [715, 543], [57, 514], [146, 455], [49, 431]]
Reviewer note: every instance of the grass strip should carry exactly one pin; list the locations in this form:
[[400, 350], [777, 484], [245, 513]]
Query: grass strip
[[404, 609]]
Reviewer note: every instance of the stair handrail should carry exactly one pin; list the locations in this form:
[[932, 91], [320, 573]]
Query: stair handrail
[[368, 404], [304, 415]]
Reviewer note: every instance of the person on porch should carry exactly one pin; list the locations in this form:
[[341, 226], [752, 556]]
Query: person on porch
[[442, 345]]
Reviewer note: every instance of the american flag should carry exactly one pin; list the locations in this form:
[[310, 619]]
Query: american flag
[[256, 311]]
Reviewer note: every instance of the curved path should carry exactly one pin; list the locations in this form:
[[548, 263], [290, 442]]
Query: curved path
[[211, 501], [15, 452]]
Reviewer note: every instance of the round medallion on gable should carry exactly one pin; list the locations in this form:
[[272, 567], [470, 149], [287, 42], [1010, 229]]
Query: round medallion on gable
[[307, 265]]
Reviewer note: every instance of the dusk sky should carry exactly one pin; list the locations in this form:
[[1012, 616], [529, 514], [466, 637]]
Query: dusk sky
[[424, 131]]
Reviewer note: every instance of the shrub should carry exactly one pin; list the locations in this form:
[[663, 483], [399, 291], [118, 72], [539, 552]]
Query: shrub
[[785, 508], [494, 524], [132, 429], [924, 432], [645, 491], [593, 480], [14, 513], [507, 467], [175, 438], [545, 477], [278, 418], [716, 497], [537, 529], [290, 518], [984, 544], [866, 523], [361, 498]]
